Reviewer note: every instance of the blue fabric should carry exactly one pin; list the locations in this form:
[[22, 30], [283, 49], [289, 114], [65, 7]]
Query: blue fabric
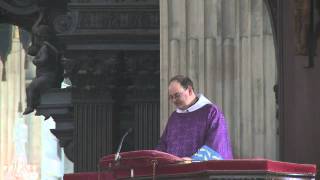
[[206, 153]]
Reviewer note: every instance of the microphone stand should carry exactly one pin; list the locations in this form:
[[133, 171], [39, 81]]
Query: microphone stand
[[117, 157]]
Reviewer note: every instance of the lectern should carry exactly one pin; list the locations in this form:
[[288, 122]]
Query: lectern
[[149, 164]]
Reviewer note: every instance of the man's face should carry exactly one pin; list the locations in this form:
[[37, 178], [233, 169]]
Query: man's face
[[178, 95]]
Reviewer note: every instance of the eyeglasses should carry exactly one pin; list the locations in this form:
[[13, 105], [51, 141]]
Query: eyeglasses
[[177, 95]]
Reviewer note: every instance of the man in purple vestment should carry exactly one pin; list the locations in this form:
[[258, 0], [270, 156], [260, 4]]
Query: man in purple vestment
[[195, 123]]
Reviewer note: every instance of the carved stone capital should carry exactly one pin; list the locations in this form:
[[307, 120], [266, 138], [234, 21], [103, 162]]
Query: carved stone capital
[[119, 19], [65, 23], [90, 71]]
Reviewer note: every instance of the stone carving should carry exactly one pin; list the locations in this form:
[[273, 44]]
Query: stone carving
[[118, 20], [138, 68], [65, 23], [314, 31], [88, 71], [317, 25], [301, 23], [142, 72], [48, 66]]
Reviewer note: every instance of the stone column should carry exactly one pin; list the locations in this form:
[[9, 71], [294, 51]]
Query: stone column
[[227, 48]]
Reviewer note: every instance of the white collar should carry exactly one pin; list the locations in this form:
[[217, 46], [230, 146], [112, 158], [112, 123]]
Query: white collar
[[199, 104]]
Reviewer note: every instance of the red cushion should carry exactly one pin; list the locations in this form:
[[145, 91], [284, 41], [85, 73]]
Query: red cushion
[[142, 158]]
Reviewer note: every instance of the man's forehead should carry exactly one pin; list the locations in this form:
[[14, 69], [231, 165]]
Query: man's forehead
[[174, 85]]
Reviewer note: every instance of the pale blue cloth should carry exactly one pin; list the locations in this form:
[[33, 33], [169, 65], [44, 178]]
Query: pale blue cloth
[[206, 153]]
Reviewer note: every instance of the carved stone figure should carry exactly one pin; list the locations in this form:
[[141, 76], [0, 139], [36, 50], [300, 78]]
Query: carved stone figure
[[49, 71], [301, 14]]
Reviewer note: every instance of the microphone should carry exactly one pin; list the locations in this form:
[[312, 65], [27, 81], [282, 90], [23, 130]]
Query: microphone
[[117, 156]]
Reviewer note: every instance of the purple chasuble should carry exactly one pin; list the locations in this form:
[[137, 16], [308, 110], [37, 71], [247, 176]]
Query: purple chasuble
[[185, 133]]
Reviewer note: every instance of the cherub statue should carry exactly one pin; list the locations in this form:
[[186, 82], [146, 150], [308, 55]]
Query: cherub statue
[[49, 70]]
